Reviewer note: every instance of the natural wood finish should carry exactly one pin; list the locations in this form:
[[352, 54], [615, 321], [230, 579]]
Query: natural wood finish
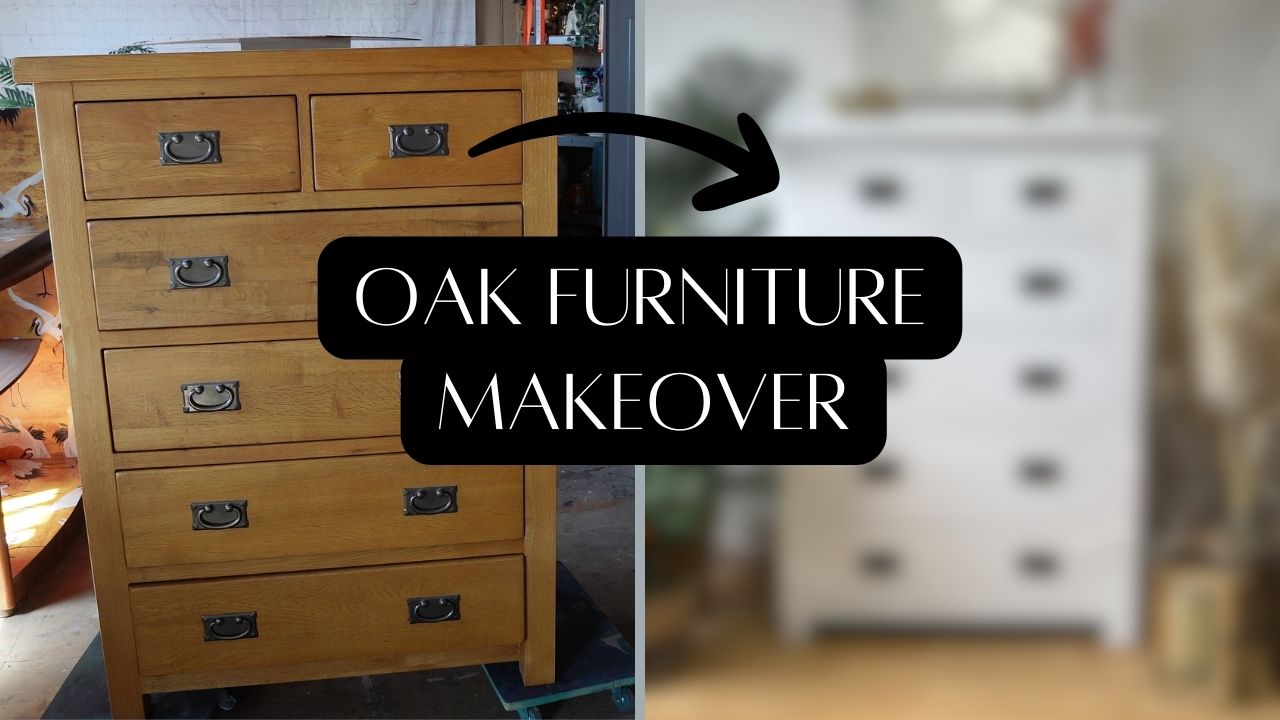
[[538, 658], [305, 507], [209, 334], [289, 391], [329, 560], [347, 667], [540, 173], [328, 615], [24, 249], [293, 202], [63, 192], [271, 260], [9, 596], [352, 141], [286, 85], [120, 148], [266, 452], [302, 407], [82, 68], [15, 357]]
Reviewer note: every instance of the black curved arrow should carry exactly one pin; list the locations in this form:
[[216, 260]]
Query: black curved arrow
[[756, 167]]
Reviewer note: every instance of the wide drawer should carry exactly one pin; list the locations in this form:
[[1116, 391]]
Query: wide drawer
[[231, 269], [247, 393], [355, 139], [245, 145], [329, 616], [178, 516], [1012, 572]]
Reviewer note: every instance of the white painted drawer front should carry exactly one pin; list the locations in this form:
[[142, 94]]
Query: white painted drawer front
[[967, 573], [1046, 383], [1026, 197], [863, 192], [1024, 474], [1041, 292]]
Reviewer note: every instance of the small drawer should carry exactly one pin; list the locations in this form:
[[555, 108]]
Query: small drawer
[[233, 269], [169, 148], [245, 394], [391, 612], [180, 516], [360, 140]]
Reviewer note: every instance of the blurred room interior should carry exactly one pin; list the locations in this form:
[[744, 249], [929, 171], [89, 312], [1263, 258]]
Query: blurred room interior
[[1074, 514]]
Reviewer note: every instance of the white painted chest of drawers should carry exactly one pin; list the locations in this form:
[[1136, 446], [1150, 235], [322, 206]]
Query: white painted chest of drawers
[[1010, 491]]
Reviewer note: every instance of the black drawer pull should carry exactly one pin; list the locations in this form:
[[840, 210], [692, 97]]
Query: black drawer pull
[[440, 608], [1043, 283], [1040, 471], [883, 470], [225, 396], [190, 147], [881, 190], [1041, 378], [1044, 192], [418, 140], [232, 626], [894, 376], [880, 564], [212, 272], [1039, 565], [220, 515], [431, 500]]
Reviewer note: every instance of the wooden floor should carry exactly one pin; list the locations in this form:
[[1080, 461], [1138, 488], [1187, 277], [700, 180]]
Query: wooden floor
[[922, 678]]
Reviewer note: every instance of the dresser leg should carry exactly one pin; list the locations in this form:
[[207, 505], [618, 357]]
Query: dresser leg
[[538, 655], [127, 704]]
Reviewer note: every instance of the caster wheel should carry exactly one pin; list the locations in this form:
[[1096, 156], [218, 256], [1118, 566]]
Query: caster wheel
[[532, 713], [624, 698], [226, 701]]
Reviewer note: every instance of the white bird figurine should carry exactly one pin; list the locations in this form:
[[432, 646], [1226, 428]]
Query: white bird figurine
[[47, 325], [14, 203]]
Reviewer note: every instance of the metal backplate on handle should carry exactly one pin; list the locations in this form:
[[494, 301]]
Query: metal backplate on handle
[[430, 140], [439, 608], [212, 396], [219, 514], [230, 626], [190, 147], [431, 500], [206, 271]]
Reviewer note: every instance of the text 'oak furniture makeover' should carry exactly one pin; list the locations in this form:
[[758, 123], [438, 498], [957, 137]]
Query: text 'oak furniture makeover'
[[251, 515]]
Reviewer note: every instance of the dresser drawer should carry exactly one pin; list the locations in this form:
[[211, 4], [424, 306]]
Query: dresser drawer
[[1008, 573], [328, 616], [1044, 197], [128, 149], [271, 392], [231, 269], [354, 137], [178, 516]]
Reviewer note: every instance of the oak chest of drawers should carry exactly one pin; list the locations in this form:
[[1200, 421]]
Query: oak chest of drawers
[[251, 515]]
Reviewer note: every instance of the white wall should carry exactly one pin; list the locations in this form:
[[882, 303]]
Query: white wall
[[90, 27]]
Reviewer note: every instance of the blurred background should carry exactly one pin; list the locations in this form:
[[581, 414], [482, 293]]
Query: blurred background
[[1075, 513]]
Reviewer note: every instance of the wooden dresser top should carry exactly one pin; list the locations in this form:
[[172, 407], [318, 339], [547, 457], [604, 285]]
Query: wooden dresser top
[[258, 63]]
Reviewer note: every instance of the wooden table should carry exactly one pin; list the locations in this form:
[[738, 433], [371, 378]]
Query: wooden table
[[24, 251]]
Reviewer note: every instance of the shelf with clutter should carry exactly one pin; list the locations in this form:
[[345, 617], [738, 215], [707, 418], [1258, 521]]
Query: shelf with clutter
[[579, 24]]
